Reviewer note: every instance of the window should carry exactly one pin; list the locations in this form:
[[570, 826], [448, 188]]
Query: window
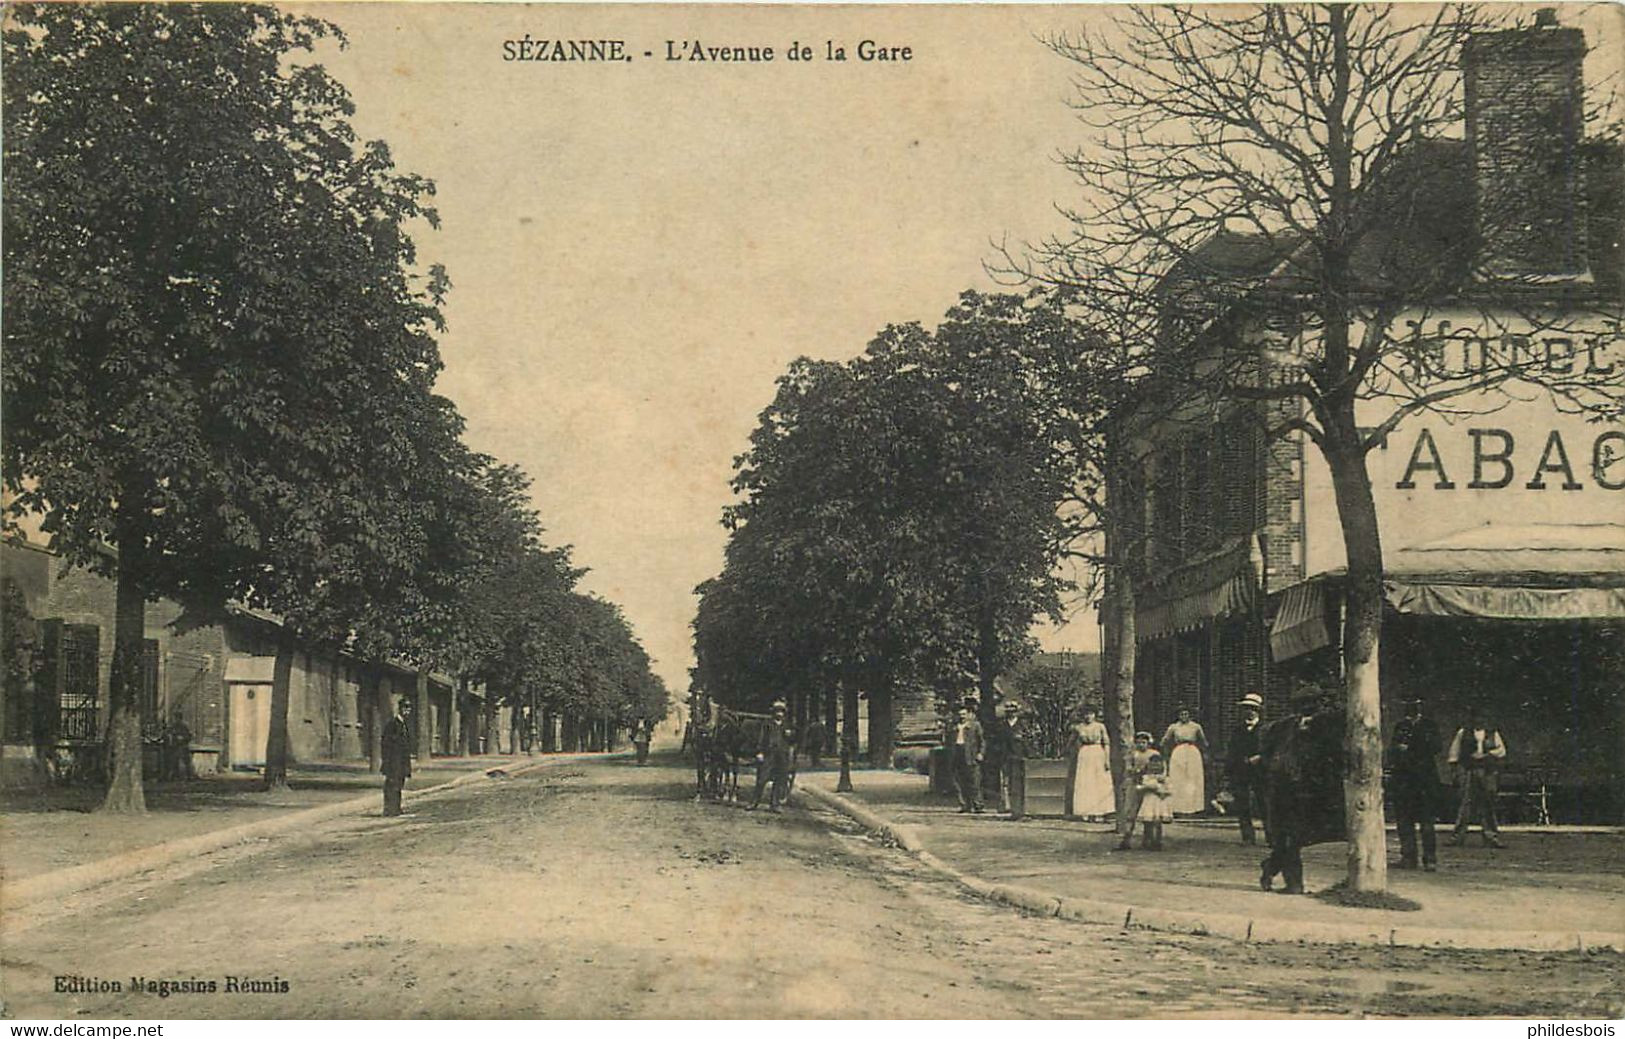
[[71, 681], [151, 719]]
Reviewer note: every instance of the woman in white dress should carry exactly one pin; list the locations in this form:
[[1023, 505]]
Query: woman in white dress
[[1092, 793], [1184, 746]]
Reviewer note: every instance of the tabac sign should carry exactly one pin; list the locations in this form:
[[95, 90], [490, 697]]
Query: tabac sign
[[1495, 460]]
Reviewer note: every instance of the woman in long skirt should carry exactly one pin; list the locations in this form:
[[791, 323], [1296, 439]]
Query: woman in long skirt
[[1092, 794], [1184, 746]]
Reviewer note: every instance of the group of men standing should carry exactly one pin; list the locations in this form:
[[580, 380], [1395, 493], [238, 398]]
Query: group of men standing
[[977, 747], [1476, 751]]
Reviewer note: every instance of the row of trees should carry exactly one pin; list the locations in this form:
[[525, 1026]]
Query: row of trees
[[220, 358], [901, 517]]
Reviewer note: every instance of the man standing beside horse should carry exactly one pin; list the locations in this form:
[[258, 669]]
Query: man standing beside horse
[[773, 757]]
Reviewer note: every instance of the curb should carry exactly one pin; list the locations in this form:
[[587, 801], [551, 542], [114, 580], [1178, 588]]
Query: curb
[[1219, 925], [74, 879]]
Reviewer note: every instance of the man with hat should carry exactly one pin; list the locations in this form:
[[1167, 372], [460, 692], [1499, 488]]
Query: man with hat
[[1011, 756], [1244, 779], [773, 756], [1413, 755], [395, 756], [969, 753]]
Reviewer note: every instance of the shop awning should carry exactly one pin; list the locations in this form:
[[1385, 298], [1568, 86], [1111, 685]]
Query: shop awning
[[1300, 622], [1432, 599], [1531, 571], [1208, 587]]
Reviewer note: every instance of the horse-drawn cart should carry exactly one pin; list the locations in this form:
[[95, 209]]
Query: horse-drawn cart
[[727, 740]]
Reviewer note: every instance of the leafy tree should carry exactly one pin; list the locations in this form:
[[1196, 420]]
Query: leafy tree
[[216, 345], [898, 523]]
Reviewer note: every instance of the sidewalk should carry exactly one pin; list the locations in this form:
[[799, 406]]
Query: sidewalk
[[1546, 890], [50, 829]]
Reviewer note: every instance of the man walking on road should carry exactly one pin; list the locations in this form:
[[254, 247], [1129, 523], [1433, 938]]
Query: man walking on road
[[968, 755], [1477, 751], [1414, 756], [396, 756], [773, 758]]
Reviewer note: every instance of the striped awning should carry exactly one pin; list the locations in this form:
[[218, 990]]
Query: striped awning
[[1300, 623], [1214, 586]]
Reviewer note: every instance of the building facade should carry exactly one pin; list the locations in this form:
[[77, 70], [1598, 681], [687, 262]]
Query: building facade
[[214, 678]]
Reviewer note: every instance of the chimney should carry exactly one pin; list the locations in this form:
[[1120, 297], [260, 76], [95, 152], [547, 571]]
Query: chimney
[[1525, 98]]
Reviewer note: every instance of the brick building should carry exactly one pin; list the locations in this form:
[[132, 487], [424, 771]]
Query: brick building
[[1503, 522]]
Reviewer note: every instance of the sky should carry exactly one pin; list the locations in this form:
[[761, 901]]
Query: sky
[[638, 249]]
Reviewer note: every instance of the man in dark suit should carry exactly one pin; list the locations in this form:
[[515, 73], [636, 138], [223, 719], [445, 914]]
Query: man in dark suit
[[1245, 761], [1010, 751], [1413, 755], [773, 756], [396, 757], [1302, 761]]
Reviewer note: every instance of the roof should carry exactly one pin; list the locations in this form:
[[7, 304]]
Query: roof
[[1424, 230]]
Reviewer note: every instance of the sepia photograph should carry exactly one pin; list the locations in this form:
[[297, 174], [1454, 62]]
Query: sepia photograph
[[795, 512]]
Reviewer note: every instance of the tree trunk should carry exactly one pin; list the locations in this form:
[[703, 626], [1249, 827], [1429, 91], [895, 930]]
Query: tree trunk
[[1362, 633], [881, 736], [515, 719], [467, 717], [831, 717], [422, 717], [372, 693], [1118, 687], [124, 791], [276, 740], [849, 735]]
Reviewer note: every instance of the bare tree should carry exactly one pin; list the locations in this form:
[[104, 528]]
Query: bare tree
[[1316, 139]]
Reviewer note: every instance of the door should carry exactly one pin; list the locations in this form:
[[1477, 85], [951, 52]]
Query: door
[[250, 724]]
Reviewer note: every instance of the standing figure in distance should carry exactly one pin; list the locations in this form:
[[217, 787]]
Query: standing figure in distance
[[968, 756], [1092, 794], [396, 747], [1184, 746], [642, 732], [777, 747], [1477, 752], [1414, 755], [1012, 758], [815, 740], [1245, 760]]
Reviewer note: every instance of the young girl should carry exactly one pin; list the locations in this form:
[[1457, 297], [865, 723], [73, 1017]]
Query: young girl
[[1154, 802], [1133, 769]]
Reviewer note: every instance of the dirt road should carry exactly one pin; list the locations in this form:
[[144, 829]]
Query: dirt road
[[604, 891]]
